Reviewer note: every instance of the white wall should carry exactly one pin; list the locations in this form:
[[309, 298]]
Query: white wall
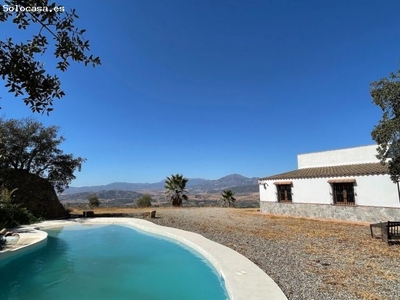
[[315, 190], [265, 188], [357, 155], [377, 190]]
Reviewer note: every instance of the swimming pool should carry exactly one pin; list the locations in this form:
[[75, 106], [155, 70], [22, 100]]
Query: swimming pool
[[109, 262]]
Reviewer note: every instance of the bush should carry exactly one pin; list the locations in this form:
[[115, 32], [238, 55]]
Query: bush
[[93, 201], [12, 215], [144, 201]]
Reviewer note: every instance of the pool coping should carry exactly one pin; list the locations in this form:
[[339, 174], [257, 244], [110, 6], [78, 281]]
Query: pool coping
[[243, 279], [29, 239]]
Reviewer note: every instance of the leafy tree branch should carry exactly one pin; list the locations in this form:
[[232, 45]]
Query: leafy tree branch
[[386, 94], [21, 68]]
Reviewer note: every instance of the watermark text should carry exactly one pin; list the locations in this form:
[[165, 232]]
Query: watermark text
[[33, 9]]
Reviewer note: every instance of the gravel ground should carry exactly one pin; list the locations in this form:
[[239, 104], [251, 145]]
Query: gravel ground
[[308, 259]]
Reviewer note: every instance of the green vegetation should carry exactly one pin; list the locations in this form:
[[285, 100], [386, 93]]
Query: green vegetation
[[93, 201], [144, 201], [22, 66], [30, 146], [175, 189], [11, 214], [7, 195], [227, 197], [386, 94]]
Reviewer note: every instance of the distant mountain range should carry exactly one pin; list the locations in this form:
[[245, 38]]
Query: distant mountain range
[[116, 196], [235, 182]]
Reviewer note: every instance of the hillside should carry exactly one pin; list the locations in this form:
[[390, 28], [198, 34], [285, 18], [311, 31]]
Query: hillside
[[117, 197], [201, 192], [195, 185]]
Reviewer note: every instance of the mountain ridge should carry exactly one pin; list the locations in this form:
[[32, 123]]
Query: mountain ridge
[[193, 185]]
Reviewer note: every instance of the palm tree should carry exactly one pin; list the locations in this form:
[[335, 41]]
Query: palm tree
[[175, 189], [227, 197]]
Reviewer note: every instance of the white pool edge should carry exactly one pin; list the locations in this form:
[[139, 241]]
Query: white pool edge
[[243, 279], [29, 240]]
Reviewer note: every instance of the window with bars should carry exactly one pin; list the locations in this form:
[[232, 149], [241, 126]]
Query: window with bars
[[284, 192], [343, 193]]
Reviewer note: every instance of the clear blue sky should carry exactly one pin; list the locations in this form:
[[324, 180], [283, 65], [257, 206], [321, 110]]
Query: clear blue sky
[[209, 88]]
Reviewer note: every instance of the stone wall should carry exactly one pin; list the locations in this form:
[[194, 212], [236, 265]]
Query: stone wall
[[322, 211]]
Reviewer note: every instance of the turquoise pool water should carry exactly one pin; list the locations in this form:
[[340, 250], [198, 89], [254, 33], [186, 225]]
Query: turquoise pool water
[[109, 262]]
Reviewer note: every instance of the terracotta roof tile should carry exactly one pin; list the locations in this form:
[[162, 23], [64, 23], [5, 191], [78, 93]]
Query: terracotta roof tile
[[332, 171]]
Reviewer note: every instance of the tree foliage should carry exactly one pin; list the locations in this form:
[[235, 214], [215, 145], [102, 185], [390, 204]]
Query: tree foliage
[[28, 145], [144, 201], [20, 62], [175, 189], [93, 201], [227, 197], [386, 94]]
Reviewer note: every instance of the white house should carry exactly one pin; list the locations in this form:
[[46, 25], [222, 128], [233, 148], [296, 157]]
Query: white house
[[346, 184]]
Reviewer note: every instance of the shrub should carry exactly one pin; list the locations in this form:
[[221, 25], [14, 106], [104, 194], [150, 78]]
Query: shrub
[[12, 215], [144, 201], [93, 201], [7, 195]]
